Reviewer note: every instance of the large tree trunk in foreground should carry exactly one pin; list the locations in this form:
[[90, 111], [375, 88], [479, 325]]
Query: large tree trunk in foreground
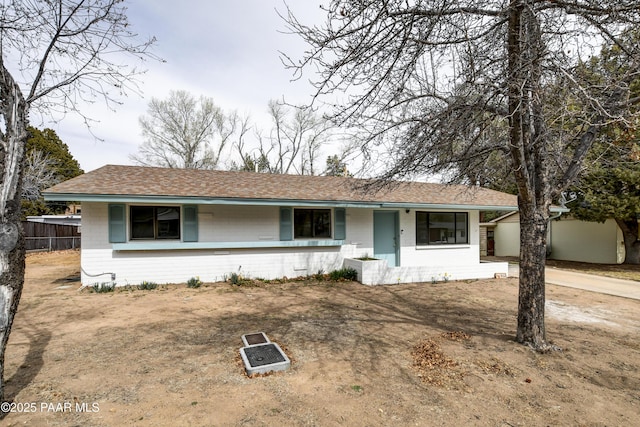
[[11, 283], [531, 297], [528, 147], [631, 243], [11, 235]]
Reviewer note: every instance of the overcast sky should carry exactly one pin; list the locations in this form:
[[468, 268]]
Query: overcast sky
[[226, 50]]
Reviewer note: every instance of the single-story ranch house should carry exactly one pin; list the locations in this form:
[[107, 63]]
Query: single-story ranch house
[[169, 225]]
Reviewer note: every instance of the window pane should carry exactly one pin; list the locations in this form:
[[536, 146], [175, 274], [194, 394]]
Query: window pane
[[322, 223], [168, 222], [422, 228], [441, 228], [308, 223], [302, 220], [155, 222], [461, 228], [142, 222]]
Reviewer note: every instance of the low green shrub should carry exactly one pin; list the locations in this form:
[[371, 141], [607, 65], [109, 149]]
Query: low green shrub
[[194, 282], [346, 273], [147, 286], [235, 279], [101, 288], [239, 280]]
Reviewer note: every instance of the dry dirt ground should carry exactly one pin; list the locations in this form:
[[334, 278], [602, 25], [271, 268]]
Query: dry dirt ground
[[418, 354]]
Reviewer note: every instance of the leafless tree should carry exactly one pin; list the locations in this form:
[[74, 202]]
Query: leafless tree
[[293, 143], [39, 173], [54, 56], [429, 78], [184, 132]]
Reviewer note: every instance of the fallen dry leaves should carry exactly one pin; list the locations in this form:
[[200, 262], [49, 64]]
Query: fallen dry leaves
[[433, 366]]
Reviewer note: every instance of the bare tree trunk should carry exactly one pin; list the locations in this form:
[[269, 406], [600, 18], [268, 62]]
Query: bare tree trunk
[[11, 234], [631, 242], [531, 297], [11, 283], [527, 147]]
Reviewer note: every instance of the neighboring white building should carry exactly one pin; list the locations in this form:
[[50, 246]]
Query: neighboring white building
[[168, 225], [506, 235], [569, 239], [74, 220]]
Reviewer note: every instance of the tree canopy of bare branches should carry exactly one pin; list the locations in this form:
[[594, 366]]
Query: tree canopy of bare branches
[[54, 57], [39, 174], [434, 80], [185, 132], [291, 145]]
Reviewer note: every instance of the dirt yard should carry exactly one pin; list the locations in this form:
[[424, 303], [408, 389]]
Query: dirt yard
[[419, 354]]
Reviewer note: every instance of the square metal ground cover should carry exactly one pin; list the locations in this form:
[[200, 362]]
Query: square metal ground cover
[[263, 358], [253, 339]]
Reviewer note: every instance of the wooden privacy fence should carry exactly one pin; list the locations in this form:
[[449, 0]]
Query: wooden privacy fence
[[40, 236]]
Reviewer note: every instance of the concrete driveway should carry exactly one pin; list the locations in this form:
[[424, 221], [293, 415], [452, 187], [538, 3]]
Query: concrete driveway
[[587, 282]]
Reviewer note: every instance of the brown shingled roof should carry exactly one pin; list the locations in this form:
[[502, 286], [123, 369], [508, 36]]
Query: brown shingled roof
[[113, 180]]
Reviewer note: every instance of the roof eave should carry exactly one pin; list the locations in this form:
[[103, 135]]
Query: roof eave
[[448, 206], [113, 198], [117, 198]]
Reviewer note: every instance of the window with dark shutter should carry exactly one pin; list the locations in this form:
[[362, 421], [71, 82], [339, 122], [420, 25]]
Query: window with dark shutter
[[154, 222]]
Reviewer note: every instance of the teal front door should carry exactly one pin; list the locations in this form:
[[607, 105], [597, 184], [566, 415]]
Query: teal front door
[[386, 238]]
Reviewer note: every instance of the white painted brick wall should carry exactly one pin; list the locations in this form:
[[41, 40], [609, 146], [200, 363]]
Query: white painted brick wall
[[221, 223], [179, 266], [360, 232], [95, 230]]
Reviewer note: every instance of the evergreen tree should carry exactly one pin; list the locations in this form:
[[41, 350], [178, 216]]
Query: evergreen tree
[[610, 187], [336, 167], [54, 156]]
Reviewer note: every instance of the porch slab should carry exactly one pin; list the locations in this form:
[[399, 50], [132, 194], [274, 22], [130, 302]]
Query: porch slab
[[379, 273]]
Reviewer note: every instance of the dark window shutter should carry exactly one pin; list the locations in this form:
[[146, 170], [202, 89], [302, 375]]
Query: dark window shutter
[[190, 223], [340, 224], [286, 224], [117, 224]]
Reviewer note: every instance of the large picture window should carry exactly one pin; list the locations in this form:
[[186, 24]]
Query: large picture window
[[442, 228], [311, 223], [154, 222]]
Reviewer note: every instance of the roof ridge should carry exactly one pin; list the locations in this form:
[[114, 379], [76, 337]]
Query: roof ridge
[[145, 181]]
